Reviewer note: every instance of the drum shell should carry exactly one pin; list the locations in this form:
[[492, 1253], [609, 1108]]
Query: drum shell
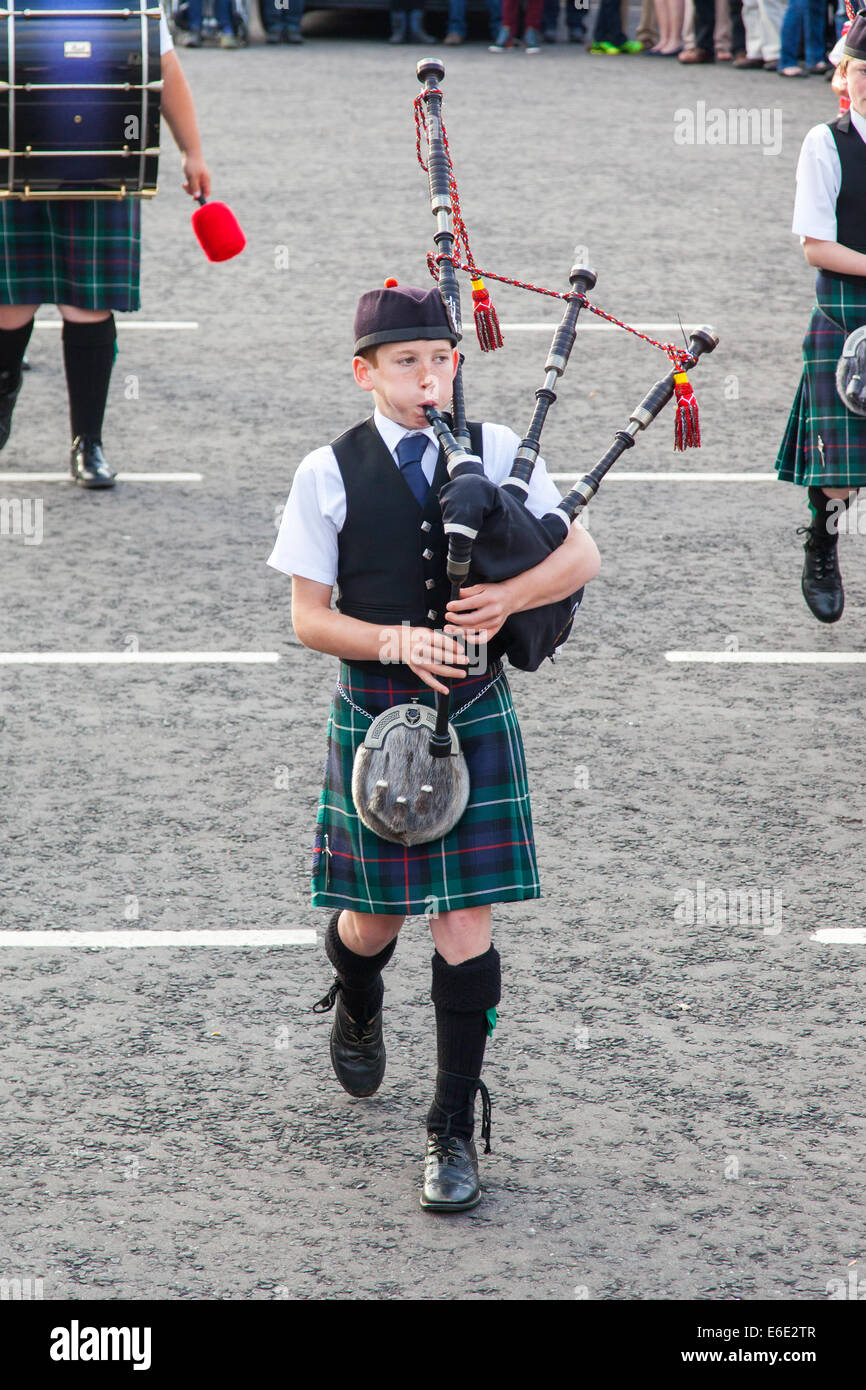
[[99, 140]]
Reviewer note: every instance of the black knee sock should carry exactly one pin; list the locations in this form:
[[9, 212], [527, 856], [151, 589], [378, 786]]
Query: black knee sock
[[827, 512], [13, 345], [464, 996], [360, 977], [88, 356]]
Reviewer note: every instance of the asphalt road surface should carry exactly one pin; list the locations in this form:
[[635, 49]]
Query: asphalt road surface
[[677, 1075]]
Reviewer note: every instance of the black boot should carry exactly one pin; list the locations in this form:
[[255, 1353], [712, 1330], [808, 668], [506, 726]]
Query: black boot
[[465, 997], [357, 1044], [88, 464], [399, 26], [417, 32], [822, 581], [9, 387]]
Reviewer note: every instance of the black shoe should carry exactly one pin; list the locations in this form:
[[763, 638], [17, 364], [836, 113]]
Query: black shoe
[[272, 36], [357, 1047], [89, 465], [822, 581], [451, 1181], [7, 405], [291, 36]]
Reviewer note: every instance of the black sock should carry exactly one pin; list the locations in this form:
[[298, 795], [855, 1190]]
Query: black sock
[[828, 511], [13, 345], [360, 977], [463, 995], [88, 356]]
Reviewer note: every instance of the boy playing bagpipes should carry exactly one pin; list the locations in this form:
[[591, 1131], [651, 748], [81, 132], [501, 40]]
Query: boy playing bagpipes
[[364, 513]]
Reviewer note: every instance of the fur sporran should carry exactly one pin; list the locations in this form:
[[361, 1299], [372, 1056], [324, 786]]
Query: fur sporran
[[401, 792]]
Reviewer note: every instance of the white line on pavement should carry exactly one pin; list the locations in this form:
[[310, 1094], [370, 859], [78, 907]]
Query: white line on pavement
[[593, 327], [121, 477], [623, 476], [63, 940], [135, 658], [854, 936], [772, 658], [156, 325]]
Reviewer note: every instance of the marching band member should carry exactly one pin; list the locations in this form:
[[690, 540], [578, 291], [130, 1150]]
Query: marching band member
[[364, 513], [83, 255], [824, 446]]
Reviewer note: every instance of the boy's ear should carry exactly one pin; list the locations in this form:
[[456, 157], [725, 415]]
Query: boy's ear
[[455, 361], [361, 371]]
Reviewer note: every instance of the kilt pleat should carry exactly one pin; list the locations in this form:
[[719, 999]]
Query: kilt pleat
[[488, 857], [84, 252], [824, 444]]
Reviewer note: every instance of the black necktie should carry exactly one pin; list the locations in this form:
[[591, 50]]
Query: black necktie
[[410, 452]]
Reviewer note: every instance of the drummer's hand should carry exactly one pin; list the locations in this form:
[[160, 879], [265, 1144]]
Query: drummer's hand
[[432, 654], [480, 611], [197, 176]]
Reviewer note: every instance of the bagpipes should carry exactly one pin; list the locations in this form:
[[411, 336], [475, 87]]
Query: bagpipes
[[416, 788]]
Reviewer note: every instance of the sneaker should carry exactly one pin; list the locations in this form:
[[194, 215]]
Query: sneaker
[[502, 41], [549, 36], [229, 41], [452, 39], [632, 46], [604, 48], [192, 39], [532, 41]]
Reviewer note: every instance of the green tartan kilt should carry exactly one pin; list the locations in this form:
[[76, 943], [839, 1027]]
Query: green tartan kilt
[[489, 856], [825, 443], [84, 252]]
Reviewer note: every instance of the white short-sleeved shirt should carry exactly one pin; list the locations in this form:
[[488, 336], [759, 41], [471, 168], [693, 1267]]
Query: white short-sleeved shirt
[[819, 178], [166, 43], [307, 541]]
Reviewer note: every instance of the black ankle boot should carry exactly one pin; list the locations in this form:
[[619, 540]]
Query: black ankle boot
[[822, 581], [88, 464]]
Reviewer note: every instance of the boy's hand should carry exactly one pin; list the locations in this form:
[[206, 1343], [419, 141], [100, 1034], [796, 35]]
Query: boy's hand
[[197, 176], [480, 611], [432, 654]]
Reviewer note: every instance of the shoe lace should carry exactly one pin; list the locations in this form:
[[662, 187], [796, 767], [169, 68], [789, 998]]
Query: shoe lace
[[361, 1030], [825, 562], [486, 1111]]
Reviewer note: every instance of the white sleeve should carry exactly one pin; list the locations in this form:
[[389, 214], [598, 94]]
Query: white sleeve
[[500, 446], [166, 43], [819, 178], [307, 541]]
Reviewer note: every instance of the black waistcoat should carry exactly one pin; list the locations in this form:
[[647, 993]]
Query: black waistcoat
[[391, 566], [851, 202]]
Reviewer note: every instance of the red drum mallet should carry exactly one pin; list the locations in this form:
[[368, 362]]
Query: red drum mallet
[[218, 230]]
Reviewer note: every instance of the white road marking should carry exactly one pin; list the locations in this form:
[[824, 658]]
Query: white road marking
[[63, 940], [772, 658], [154, 325], [623, 476], [595, 327], [854, 936], [136, 658], [21, 477]]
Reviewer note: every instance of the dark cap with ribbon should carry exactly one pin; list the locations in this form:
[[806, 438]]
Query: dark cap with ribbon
[[400, 314], [855, 39]]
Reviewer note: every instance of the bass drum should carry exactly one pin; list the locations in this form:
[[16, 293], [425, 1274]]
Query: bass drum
[[79, 101]]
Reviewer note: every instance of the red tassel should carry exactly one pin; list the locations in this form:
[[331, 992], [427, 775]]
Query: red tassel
[[486, 318], [687, 428]]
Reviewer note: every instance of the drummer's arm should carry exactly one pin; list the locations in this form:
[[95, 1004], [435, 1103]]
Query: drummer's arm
[[178, 108], [832, 255]]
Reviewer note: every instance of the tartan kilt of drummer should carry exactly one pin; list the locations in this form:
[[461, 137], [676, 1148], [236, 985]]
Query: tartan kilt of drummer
[[84, 252], [488, 857], [825, 443]]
